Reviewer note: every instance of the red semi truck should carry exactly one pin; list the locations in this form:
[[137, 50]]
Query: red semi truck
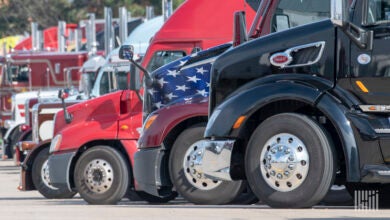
[[101, 138]]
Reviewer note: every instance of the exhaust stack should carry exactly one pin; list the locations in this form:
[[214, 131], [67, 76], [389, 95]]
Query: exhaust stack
[[149, 12], [40, 40], [91, 34], [108, 32], [123, 19], [61, 36], [167, 8], [77, 39], [34, 36]]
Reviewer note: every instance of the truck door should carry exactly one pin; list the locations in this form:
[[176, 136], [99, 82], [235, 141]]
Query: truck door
[[370, 69]]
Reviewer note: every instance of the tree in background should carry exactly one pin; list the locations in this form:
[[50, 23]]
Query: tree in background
[[15, 17]]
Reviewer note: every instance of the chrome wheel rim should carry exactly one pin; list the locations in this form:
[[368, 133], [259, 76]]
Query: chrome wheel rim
[[99, 176], [45, 175], [284, 162], [195, 176]]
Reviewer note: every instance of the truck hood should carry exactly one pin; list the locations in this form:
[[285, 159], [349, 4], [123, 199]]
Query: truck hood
[[103, 109], [184, 78]]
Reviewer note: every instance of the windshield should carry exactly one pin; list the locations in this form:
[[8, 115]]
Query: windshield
[[18, 73], [378, 12], [293, 13], [111, 78], [160, 58]]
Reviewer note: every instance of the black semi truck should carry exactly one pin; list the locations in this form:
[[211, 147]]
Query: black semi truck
[[299, 110]]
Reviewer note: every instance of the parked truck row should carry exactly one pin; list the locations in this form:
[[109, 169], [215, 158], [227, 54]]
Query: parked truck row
[[216, 121]]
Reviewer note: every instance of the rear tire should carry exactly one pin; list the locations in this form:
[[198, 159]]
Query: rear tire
[[201, 190], [280, 152], [102, 175], [41, 180]]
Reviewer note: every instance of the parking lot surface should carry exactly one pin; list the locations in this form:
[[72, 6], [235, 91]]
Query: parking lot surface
[[31, 205]]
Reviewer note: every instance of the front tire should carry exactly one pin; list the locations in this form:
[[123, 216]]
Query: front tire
[[193, 186], [41, 180], [289, 161], [102, 175]]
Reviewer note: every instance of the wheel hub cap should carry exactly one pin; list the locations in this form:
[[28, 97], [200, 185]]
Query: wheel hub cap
[[195, 176], [99, 175], [45, 176], [284, 162]]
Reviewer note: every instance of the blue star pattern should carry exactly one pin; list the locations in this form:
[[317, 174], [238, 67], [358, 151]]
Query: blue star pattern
[[183, 78]]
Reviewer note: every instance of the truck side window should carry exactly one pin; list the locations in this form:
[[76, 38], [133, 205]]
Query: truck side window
[[378, 11], [293, 13], [161, 58], [104, 83], [121, 78], [18, 73]]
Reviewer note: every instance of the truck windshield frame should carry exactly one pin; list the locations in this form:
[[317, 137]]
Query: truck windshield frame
[[374, 17], [162, 57], [18, 73]]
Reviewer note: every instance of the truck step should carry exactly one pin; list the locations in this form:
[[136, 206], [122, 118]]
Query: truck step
[[376, 174]]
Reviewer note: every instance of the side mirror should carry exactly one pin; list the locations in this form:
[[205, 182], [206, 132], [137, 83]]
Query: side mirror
[[339, 12], [135, 79], [239, 28], [282, 22], [63, 94], [126, 52]]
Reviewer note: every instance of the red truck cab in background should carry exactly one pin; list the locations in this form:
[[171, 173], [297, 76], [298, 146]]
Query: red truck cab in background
[[102, 136]]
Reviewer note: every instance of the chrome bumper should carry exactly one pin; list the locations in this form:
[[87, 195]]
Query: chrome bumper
[[215, 158]]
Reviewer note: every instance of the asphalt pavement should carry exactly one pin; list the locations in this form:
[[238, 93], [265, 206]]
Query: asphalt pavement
[[15, 204]]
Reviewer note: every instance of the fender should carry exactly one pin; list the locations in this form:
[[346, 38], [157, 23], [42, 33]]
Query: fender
[[251, 100], [168, 118], [18, 151], [26, 167], [336, 113], [11, 129]]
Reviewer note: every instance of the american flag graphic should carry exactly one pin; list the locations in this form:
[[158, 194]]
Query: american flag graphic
[[184, 78]]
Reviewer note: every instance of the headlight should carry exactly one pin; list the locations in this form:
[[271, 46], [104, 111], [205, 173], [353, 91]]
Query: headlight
[[55, 143], [149, 121]]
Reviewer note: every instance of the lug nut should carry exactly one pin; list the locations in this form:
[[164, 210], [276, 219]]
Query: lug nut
[[273, 151], [279, 176], [291, 158], [199, 175], [272, 173], [280, 148], [269, 157], [194, 157], [287, 151], [291, 166], [199, 152], [269, 166], [192, 164], [194, 171], [286, 173]]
